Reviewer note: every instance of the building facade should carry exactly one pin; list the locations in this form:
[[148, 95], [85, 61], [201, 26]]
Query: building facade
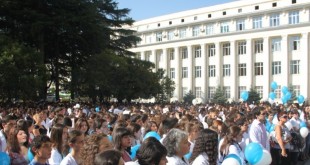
[[237, 46]]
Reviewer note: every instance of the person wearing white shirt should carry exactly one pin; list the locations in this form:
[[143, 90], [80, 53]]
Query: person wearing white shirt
[[76, 142], [59, 135]]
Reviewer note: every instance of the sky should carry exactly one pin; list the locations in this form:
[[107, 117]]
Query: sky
[[144, 9]]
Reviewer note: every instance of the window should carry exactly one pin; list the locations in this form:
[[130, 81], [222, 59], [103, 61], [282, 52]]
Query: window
[[274, 4], [258, 46], [158, 25], [211, 50], [293, 1], [224, 12], [198, 92], [240, 90], [184, 91], [241, 47], [239, 10], [211, 70], [296, 89], [172, 73], [257, 22], [159, 37], [278, 92], [276, 44], [170, 22], [293, 17], [148, 55], [197, 71], [197, 51], [161, 70], [274, 20], [138, 56], [211, 91], [171, 54], [209, 29], [256, 7], [240, 25], [295, 43], [226, 49], [182, 33], [242, 69], [195, 18], [184, 72], [276, 67], [170, 35], [224, 27], [258, 68], [227, 92], [182, 20], [195, 31], [209, 15], [260, 91], [184, 53], [294, 66], [226, 70]]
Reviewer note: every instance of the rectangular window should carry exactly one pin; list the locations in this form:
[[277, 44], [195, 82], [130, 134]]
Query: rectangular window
[[241, 47], [159, 37], [182, 33], [274, 20], [170, 35], [242, 69], [171, 54], [197, 71], [224, 27], [257, 22], [258, 68], [294, 66], [240, 90], [211, 91], [276, 44], [184, 72], [172, 73], [212, 71], [240, 25], [276, 68], [296, 89], [226, 70], [258, 46], [209, 29], [138, 55], [226, 49], [260, 91], [278, 92], [227, 92], [184, 53], [184, 91], [195, 31], [198, 92], [211, 50], [295, 42], [148, 55], [293, 17], [197, 51]]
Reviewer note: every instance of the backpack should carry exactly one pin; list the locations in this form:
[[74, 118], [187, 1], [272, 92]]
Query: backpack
[[297, 141]]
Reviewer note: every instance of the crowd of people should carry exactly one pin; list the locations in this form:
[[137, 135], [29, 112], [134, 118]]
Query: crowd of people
[[115, 134]]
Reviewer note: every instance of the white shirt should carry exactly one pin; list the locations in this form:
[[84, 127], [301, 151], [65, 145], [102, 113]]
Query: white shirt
[[295, 122], [245, 141], [201, 159], [55, 158], [2, 141], [257, 134], [232, 149], [175, 160], [68, 160]]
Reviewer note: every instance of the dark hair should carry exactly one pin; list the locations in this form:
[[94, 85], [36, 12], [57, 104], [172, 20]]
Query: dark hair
[[118, 135], [67, 121], [280, 114], [38, 141], [24, 125], [13, 143], [168, 124], [233, 132], [257, 111], [73, 136], [56, 137], [109, 157], [207, 141], [79, 122], [151, 151]]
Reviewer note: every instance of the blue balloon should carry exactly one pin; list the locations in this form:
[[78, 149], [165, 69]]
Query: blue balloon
[[303, 124], [284, 99], [4, 158], [284, 89], [288, 95], [188, 156], [97, 109], [272, 95], [110, 138], [272, 128], [134, 150], [245, 95], [253, 152], [274, 85], [234, 156], [152, 134], [300, 99]]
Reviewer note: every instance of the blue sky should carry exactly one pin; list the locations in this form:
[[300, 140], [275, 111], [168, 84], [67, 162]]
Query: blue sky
[[143, 9]]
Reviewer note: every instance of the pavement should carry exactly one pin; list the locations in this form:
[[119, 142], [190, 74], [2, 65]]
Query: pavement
[[305, 162]]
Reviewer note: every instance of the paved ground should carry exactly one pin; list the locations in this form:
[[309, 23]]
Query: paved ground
[[306, 162]]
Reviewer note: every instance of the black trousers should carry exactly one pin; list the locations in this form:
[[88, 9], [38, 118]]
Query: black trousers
[[278, 159]]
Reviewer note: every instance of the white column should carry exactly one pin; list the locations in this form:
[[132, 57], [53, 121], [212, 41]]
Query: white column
[[203, 71], [178, 82], [249, 64], [266, 64], [218, 64], [233, 70], [143, 55], [304, 66], [154, 60], [285, 60], [190, 67], [165, 61]]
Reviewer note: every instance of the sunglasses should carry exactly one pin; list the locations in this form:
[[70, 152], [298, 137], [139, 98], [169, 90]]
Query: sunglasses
[[284, 116], [263, 114]]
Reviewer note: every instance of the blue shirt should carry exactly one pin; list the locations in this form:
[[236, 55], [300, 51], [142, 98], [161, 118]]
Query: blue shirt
[[34, 162]]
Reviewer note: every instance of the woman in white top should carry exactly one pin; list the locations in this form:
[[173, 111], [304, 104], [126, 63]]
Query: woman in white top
[[76, 142], [205, 150], [230, 144], [59, 134]]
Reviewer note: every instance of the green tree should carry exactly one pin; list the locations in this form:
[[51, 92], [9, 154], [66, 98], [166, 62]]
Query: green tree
[[219, 96], [253, 96], [166, 90], [188, 98], [292, 91]]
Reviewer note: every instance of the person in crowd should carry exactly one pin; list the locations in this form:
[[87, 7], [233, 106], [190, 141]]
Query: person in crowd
[[205, 151], [93, 145], [258, 132], [230, 144], [101, 126], [243, 124], [166, 125], [192, 128], [136, 133], [177, 146], [151, 126], [122, 142], [16, 146], [7, 123], [76, 142], [39, 129], [269, 123], [109, 157], [59, 135], [41, 148], [82, 125]]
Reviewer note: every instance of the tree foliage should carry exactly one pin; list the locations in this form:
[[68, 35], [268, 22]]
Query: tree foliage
[[188, 98], [254, 96], [219, 96]]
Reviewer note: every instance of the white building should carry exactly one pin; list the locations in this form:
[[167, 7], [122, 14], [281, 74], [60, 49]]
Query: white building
[[236, 45]]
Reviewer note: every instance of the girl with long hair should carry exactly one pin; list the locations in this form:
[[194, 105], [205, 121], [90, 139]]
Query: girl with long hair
[[122, 142], [82, 125], [16, 146], [75, 141], [59, 135]]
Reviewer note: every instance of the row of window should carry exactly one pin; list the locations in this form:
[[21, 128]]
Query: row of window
[[227, 91], [242, 69], [225, 27]]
